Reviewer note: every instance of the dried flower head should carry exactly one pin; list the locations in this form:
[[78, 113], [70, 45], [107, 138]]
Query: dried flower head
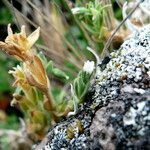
[[19, 44], [19, 76], [22, 82], [33, 71]]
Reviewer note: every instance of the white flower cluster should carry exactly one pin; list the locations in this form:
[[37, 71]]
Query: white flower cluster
[[89, 66]]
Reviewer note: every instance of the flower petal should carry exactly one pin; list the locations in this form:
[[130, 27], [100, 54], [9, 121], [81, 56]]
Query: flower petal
[[23, 31], [3, 45], [32, 38], [10, 32]]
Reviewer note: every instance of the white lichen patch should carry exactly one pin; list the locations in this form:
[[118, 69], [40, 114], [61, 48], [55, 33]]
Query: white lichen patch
[[140, 91], [133, 117], [130, 62], [129, 118]]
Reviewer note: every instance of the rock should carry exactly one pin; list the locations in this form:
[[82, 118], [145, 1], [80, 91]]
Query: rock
[[116, 112]]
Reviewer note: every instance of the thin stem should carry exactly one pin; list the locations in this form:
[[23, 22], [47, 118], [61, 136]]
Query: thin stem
[[52, 106], [128, 23], [118, 27], [50, 99], [120, 3]]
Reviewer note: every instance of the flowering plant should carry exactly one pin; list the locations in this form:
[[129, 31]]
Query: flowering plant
[[33, 89]]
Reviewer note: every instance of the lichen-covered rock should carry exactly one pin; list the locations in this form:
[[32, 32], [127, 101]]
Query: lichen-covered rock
[[116, 113], [122, 94]]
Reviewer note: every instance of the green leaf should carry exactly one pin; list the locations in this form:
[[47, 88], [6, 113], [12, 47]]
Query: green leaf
[[59, 95], [81, 85], [49, 67], [59, 73]]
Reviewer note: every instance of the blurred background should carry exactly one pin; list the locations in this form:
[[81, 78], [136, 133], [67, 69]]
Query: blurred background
[[9, 116]]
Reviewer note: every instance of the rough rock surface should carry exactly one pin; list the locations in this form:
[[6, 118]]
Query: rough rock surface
[[116, 113]]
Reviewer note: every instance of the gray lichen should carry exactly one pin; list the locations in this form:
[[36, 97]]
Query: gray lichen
[[123, 91], [116, 113]]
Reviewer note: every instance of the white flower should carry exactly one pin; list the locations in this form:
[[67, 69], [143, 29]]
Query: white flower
[[89, 66]]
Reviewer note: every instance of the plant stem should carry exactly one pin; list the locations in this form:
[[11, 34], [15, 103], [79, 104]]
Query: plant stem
[[50, 99], [117, 28]]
